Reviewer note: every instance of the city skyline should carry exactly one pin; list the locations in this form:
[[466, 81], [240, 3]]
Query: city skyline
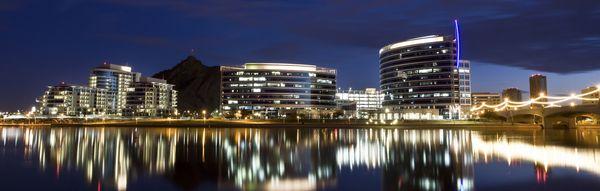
[[68, 38]]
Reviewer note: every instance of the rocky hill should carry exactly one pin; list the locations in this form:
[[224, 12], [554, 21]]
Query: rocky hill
[[198, 85]]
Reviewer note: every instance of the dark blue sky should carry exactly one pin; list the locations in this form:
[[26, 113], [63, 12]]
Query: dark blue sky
[[46, 42]]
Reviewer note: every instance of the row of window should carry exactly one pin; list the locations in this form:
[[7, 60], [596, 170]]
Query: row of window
[[417, 59], [417, 48], [276, 85], [276, 96], [276, 73], [259, 90], [413, 66]]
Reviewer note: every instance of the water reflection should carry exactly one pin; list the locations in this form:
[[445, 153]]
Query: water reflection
[[307, 159]]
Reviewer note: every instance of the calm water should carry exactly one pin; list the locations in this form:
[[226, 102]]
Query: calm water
[[303, 159]]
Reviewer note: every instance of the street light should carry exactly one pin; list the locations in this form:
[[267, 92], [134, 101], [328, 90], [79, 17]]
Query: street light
[[204, 116]]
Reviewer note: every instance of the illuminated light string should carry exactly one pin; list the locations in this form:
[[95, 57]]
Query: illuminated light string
[[547, 104]]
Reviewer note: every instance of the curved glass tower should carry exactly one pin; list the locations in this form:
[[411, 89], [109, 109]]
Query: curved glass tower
[[270, 88], [422, 78], [116, 79]]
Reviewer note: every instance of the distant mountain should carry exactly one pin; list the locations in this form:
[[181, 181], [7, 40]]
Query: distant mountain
[[198, 85]]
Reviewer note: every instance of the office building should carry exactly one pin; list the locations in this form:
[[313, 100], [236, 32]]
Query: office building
[[488, 98], [512, 94], [273, 89], [363, 102], [537, 87], [368, 99], [151, 97], [73, 100], [116, 79], [424, 78], [590, 95]]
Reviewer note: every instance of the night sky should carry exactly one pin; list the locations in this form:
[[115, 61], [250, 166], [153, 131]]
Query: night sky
[[46, 42]]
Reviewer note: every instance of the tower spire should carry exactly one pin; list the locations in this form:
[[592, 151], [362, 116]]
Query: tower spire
[[457, 38]]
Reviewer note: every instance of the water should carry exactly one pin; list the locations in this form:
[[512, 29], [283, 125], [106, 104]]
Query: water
[[302, 159]]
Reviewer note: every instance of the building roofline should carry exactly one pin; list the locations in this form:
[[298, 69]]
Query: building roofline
[[414, 41]]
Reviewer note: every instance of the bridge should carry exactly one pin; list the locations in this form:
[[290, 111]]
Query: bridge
[[552, 117], [546, 110]]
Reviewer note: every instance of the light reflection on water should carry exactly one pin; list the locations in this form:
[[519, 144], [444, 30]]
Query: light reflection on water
[[301, 159]]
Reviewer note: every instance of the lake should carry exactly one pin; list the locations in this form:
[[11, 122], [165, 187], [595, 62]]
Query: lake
[[43, 158]]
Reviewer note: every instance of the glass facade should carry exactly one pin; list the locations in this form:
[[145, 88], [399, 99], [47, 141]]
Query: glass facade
[[362, 103], [116, 79], [368, 99], [421, 75], [270, 88]]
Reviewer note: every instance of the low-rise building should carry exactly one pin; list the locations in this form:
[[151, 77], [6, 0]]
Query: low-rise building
[[151, 97], [595, 95], [485, 97], [367, 99], [365, 102], [73, 100]]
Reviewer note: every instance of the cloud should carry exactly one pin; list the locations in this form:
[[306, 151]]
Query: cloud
[[550, 36], [142, 40]]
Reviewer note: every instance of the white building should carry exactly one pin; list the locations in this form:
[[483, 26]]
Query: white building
[[116, 79], [73, 100], [151, 97]]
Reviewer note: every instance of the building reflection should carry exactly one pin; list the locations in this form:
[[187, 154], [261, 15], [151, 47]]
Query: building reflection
[[276, 159]]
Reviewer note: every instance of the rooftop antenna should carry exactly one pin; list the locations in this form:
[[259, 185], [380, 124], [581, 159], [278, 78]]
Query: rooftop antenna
[[192, 52]]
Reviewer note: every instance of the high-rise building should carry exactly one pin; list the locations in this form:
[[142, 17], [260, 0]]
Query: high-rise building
[[116, 79], [488, 98], [273, 89], [424, 76], [512, 94], [590, 95], [72, 100], [151, 97], [537, 86]]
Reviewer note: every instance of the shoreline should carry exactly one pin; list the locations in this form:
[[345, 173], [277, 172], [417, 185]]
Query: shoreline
[[316, 124], [312, 124]]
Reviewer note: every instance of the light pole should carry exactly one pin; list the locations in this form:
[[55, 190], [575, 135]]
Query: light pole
[[204, 116]]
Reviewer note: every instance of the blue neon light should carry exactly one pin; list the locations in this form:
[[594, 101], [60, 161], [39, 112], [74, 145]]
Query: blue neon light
[[457, 34]]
